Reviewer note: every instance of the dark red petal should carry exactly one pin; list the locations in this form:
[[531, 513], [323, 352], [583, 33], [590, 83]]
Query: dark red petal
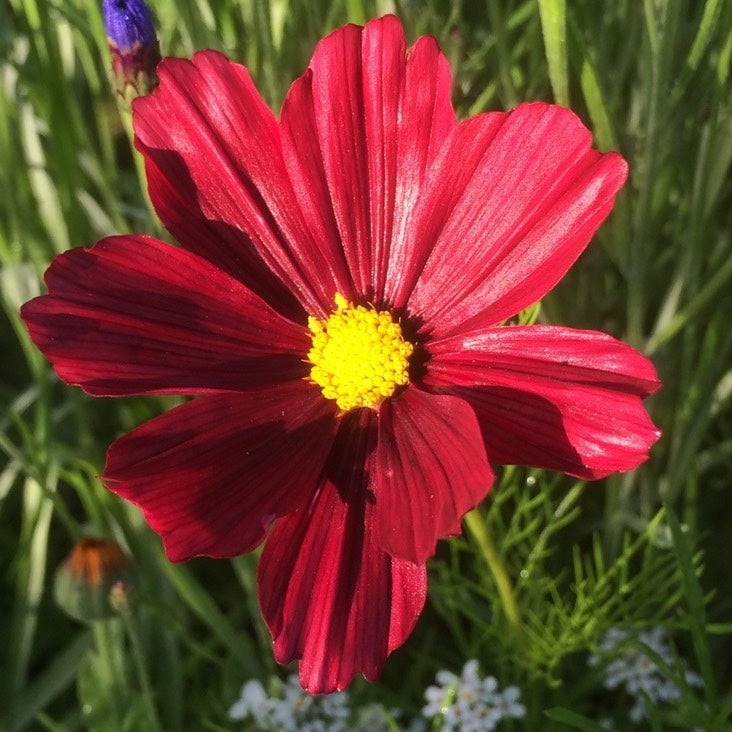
[[212, 474], [359, 130], [213, 143], [530, 195], [430, 469], [330, 595], [133, 315], [552, 397], [175, 198]]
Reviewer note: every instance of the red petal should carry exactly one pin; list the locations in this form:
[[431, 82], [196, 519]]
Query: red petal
[[329, 594], [212, 474], [305, 167], [450, 173], [175, 198], [530, 194], [551, 397], [214, 146], [426, 119], [334, 85], [133, 315], [359, 130], [430, 468], [383, 52]]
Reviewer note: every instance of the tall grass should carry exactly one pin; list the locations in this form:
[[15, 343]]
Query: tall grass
[[548, 564]]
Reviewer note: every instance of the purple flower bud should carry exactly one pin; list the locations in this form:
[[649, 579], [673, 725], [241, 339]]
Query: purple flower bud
[[132, 44]]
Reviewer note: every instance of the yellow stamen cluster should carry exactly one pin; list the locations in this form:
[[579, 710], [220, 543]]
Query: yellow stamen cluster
[[359, 356]]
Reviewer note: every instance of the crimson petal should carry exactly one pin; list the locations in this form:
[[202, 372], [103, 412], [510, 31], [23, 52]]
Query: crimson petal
[[426, 119], [430, 468], [133, 315], [359, 130], [551, 397], [329, 594], [530, 195], [175, 198], [212, 474], [212, 142]]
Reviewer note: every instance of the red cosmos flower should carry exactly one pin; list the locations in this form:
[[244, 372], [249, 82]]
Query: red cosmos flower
[[337, 308]]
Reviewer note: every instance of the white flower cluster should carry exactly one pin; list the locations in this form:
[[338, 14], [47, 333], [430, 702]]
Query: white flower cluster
[[468, 703], [632, 670], [295, 709], [291, 709]]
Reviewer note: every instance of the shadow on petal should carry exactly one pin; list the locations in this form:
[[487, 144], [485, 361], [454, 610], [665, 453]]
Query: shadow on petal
[[212, 474], [176, 199], [330, 595]]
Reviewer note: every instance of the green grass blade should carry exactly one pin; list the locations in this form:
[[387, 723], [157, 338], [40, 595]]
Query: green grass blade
[[704, 33], [697, 606], [52, 681], [572, 720], [200, 602], [553, 26], [30, 572]]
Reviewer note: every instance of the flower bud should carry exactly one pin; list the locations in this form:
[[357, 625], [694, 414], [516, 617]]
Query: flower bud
[[94, 581], [133, 46]]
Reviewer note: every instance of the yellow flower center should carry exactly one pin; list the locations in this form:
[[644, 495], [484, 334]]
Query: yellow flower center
[[359, 356]]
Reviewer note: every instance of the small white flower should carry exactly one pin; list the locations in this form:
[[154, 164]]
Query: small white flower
[[292, 709], [252, 702], [469, 703], [440, 697], [445, 678], [633, 671], [509, 705]]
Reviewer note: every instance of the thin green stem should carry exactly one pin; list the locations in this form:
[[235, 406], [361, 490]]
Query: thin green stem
[[138, 658], [477, 528], [109, 667], [125, 114]]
